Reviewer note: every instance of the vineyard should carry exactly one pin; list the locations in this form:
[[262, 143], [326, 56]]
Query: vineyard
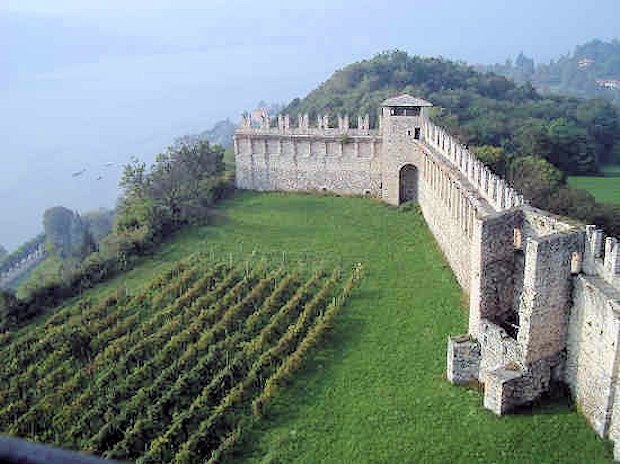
[[173, 372]]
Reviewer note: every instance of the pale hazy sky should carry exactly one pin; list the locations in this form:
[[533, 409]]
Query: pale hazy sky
[[86, 83], [479, 30]]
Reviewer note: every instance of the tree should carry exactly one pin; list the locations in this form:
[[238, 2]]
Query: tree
[[3, 253], [66, 233], [493, 157], [600, 119], [57, 226], [178, 189], [573, 202], [570, 147], [531, 139], [536, 179]]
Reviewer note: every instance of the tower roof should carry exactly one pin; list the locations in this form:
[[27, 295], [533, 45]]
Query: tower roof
[[406, 100]]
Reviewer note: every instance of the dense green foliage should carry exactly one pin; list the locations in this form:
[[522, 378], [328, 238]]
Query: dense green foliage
[[579, 73], [139, 362], [66, 234], [526, 137], [375, 390], [177, 190], [70, 238]]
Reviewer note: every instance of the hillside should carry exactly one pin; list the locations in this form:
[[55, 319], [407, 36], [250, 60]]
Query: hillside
[[534, 141], [482, 108], [592, 70], [220, 134], [139, 360], [374, 392]]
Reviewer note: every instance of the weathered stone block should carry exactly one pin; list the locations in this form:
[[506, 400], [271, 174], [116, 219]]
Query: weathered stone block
[[463, 359], [503, 390]]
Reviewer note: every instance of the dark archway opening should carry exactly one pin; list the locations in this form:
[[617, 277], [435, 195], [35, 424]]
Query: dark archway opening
[[408, 184]]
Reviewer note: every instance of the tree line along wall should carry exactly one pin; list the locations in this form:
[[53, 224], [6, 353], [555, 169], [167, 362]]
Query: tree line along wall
[[544, 293]]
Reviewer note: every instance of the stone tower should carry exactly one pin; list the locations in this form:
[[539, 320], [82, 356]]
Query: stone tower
[[401, 123]]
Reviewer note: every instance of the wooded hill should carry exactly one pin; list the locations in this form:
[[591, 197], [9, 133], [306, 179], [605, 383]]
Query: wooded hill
[[592, 70], [535, 141], [576, 135]]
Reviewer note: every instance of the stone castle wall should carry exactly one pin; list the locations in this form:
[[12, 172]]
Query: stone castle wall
[[304, 158], [307, 162], [450, 209], [592, 351], [593, 336], [544, 294]]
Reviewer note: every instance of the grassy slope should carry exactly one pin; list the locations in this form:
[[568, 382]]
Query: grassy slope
[[376, 393], [605, 189]]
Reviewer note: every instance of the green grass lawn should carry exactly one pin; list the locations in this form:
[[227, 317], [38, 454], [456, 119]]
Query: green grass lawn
[[376, 391], [605, 189]]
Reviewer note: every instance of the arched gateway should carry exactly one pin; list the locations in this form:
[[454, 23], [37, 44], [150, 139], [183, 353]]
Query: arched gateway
[[408, 184]]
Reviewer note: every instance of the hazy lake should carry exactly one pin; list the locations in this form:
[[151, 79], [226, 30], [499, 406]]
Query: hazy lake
[[95, 116]]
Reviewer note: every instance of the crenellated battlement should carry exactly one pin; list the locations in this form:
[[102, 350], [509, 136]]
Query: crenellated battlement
[[602, 256], [281, 125], [494, 189], [491, 186]]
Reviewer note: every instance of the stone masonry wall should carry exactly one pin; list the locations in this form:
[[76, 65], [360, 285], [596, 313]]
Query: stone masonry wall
[[497, 348], [463, 359], [546, 295], [592, 350], [299, 163], [449, 214], [494, 268]]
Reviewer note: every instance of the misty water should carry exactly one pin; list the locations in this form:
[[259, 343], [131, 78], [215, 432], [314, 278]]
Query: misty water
[[92, 118]]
